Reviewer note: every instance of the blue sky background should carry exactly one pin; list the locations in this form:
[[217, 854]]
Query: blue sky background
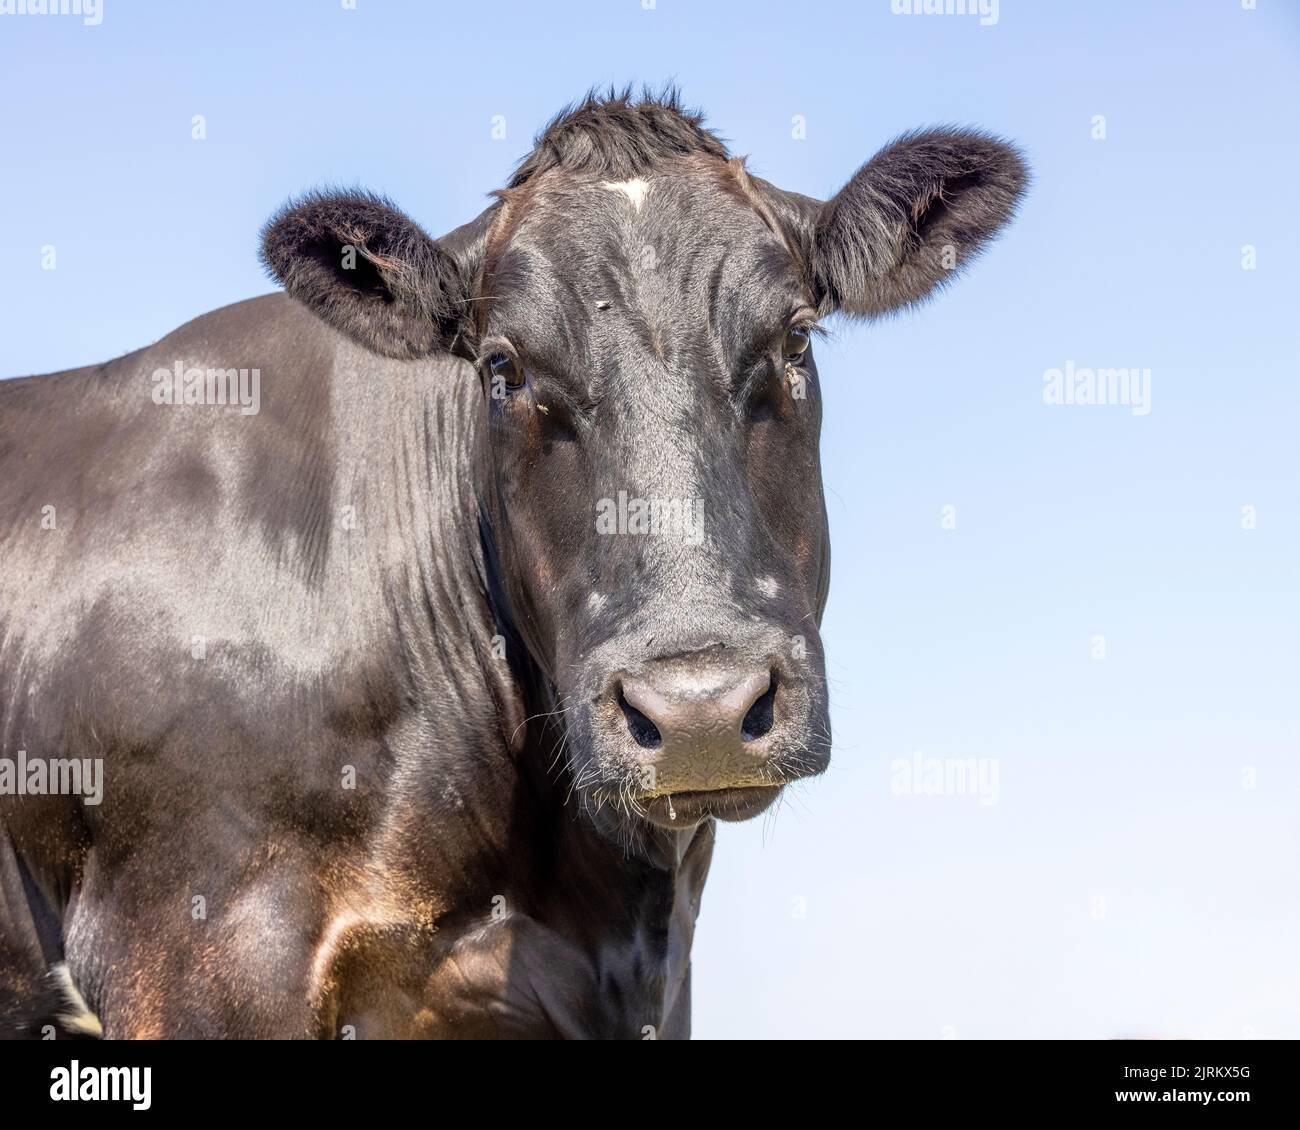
[[1128, 880]]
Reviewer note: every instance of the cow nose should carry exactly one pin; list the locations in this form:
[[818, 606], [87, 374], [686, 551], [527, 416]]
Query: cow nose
[[690, 712], [700, 728]]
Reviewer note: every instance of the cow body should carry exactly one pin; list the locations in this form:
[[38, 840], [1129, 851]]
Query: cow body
[[240, 615], [424, 634]]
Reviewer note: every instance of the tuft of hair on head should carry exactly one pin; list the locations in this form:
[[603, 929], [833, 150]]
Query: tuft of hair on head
[[617, 135]]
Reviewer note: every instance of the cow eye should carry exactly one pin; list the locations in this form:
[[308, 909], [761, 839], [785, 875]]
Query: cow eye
[[796, 342], [507, 368]]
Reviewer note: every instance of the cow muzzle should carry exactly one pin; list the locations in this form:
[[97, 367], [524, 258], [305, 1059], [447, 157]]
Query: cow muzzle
[[710, 734]]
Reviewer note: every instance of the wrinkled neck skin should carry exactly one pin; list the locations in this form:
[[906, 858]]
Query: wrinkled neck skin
[[537, 917]]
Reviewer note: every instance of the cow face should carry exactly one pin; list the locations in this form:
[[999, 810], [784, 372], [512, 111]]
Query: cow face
[[653, 494], [655, 411]]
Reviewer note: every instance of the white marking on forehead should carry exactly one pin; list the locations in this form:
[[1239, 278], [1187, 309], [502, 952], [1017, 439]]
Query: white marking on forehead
[[635, 190], [768, 586], [595, 602]]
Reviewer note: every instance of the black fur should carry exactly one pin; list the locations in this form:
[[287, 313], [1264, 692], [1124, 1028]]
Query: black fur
[[461, 646], [618, 137], [403, 294], [906, 224], [880, 242]]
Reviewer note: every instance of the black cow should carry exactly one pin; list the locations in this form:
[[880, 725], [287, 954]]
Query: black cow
[[417, 625]]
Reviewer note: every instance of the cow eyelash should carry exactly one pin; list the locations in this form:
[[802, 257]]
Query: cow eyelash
[[796, 341], [572, 408], [497, 361], [804, 328], [757, 364]]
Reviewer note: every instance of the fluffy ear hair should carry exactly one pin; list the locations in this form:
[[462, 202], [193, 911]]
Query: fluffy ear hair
[[366, 269], [912, 217]]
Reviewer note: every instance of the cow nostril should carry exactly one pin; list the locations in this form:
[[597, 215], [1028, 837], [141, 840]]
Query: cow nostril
[[759, 718], [644, 732]]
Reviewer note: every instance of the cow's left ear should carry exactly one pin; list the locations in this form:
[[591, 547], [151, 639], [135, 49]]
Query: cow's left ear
[[911, 218], [368, 270]]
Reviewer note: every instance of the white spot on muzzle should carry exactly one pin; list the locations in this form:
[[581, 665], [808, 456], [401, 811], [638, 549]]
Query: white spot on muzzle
[[635, 190], [767, 586]]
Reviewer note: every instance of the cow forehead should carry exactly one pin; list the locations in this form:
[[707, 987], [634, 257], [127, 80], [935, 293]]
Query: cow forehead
[[683, 243], [685, 206], [635, 190]]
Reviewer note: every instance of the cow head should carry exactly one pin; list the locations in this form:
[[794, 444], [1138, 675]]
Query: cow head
[[642, 314]]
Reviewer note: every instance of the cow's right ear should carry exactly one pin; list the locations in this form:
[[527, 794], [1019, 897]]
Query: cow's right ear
[[368, 270]]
